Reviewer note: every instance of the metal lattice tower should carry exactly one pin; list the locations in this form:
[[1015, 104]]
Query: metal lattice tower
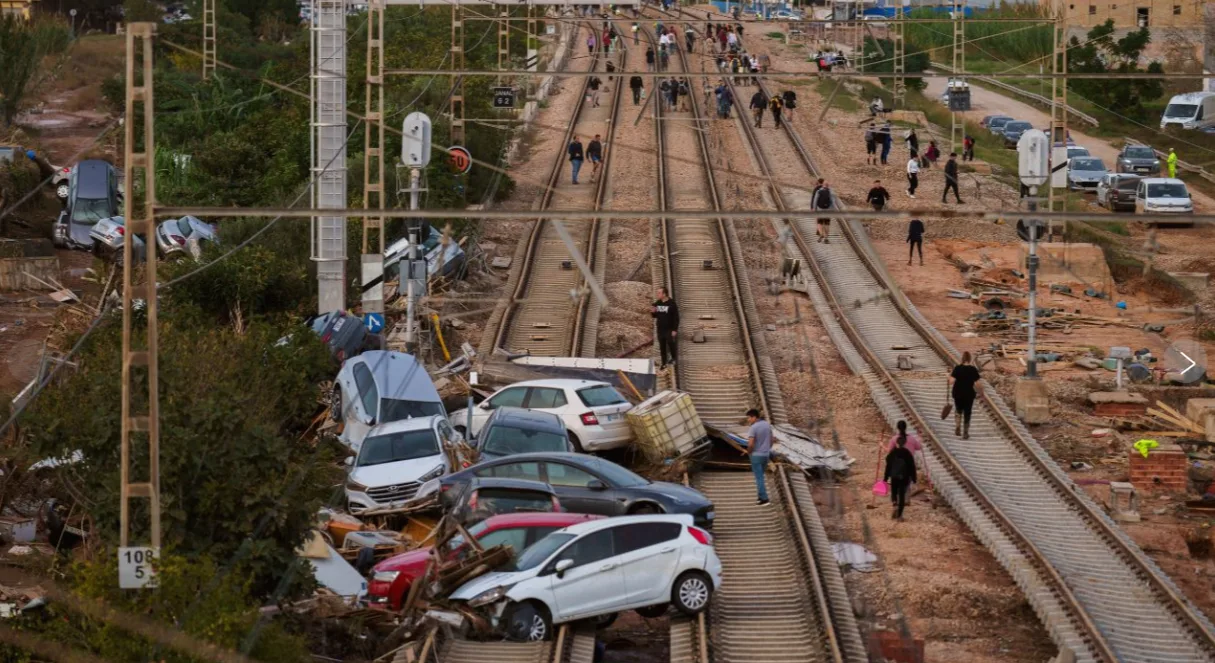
[[329, 150], [140, 177], [858, 35], [373, 129], [532, 49], [457, 78], [900, 57], [503, 42], [957, 130], [208, 21], [1058, 106]]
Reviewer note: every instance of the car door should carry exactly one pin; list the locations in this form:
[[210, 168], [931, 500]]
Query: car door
[[546, 399], [508, 397], [594, 585], [649, 557], [1103, 188], [1140, 197], [574, 488]]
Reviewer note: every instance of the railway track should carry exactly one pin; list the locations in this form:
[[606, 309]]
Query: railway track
[[802, 612], [1098, 594], [549, 312], [571, 645]]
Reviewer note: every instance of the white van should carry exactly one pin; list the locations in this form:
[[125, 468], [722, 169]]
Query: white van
[[1192, 110], [1164, 195]]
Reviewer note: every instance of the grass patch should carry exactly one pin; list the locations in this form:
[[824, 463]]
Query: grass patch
[[1111, 227], [776, 35], [842, 101]]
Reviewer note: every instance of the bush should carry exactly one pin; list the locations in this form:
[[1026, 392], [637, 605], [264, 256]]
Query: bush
[[235, 473]]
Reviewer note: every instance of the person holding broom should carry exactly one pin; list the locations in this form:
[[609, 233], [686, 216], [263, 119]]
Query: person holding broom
[[900, 473], [964, 387]]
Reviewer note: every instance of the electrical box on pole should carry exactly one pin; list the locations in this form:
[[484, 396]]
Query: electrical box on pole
[[415, 143], [1033, 158]]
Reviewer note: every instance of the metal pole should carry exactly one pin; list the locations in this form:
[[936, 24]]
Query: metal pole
[[329, 157], [415, 176], [140, 224], [1031, 361]]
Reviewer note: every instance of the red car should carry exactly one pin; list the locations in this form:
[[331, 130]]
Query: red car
[[392, 577]]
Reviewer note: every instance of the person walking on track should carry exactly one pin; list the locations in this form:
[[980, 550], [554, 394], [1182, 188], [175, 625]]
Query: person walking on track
[[575, 152], [913, 174], [759, 102], [636, 35], [776, 105], [759, 447], [636, 84], [915, 238], [790, 97], [822, 201], [593, 86], [878, 196], [886, 137], [666, 319], [594, 151], [689, 35], [964, 381], [590, 44], [649, 58], [871, 137], [968, 148], [900, 474], [951, 178]]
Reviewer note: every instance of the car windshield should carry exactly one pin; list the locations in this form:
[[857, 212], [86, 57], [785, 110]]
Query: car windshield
[[392, 447], [600, 395], [1181, 110], [1073, 152], [1087, 164], [392, 409], [1140, 153], [509, 440], [1128, 184], [1017, 126], [998, 121], [476, 531], [184, 227], [535, 554], [1166, 191], [616, 475], [90, 210]]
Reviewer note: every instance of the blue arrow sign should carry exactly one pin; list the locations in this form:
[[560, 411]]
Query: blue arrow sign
[[374, 322]]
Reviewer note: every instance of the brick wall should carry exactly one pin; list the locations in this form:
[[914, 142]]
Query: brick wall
[[1120, 410], [1165, 469]]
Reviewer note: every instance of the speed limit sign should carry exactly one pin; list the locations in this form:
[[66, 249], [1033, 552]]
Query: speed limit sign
[[136, 567]]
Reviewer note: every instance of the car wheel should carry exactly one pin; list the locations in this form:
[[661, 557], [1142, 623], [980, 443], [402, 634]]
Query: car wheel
[[62, 191], [645, 509], [654, 611], [335, 404], [604, 621], [528, 622], [691, 593], [577, 444]]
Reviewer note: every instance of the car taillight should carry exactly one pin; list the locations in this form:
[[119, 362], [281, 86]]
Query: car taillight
[[589, 419], [702, 537], [556, 505], [325, 337], [472, 501], [462, 464], [179, 239], [120, 230]]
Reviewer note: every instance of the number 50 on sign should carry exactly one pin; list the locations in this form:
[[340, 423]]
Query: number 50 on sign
[[136, 567]]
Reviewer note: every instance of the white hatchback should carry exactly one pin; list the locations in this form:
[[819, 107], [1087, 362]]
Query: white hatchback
[[598, 568], [593, 412]]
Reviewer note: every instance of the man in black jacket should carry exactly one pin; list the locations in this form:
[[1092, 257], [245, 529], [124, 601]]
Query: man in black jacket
[[759, 102], [666, 318], [636, 84], [951, 177], [878, 196]]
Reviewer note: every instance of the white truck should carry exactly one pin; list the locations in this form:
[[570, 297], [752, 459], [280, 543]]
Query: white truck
[[1192, 110]]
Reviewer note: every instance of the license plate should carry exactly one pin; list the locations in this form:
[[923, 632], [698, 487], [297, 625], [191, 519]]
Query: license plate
[[611, 417], [1143, 169]]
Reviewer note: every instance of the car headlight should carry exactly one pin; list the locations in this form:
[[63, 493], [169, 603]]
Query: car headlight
[[385, 576], [488, 597], [433, 474], [357, 487]]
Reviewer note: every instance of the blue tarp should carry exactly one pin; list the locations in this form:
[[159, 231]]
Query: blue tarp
[[888, 12]]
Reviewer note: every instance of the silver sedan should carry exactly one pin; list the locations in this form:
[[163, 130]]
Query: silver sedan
[[179, 238], [1084, 173]]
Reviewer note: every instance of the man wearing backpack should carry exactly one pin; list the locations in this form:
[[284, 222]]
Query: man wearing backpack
[[759, 101], [636, 85], [821, 200], [776, 105]]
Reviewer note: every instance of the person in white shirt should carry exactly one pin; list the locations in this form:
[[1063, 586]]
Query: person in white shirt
[[913, 174]]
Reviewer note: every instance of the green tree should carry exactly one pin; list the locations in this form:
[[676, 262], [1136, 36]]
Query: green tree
[[1101, 53], [238, 481], [23, 45]]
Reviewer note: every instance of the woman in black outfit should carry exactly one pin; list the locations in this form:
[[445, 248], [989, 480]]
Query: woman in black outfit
[[964, 383], [900, 473]]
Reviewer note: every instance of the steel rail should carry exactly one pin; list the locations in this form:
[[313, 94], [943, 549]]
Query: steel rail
[[1067, 493], [535, 272]]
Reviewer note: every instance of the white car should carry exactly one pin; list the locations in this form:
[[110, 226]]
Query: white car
[[593, 412], [598, 568], [1162, 195], [395, 459], [379, 387]]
